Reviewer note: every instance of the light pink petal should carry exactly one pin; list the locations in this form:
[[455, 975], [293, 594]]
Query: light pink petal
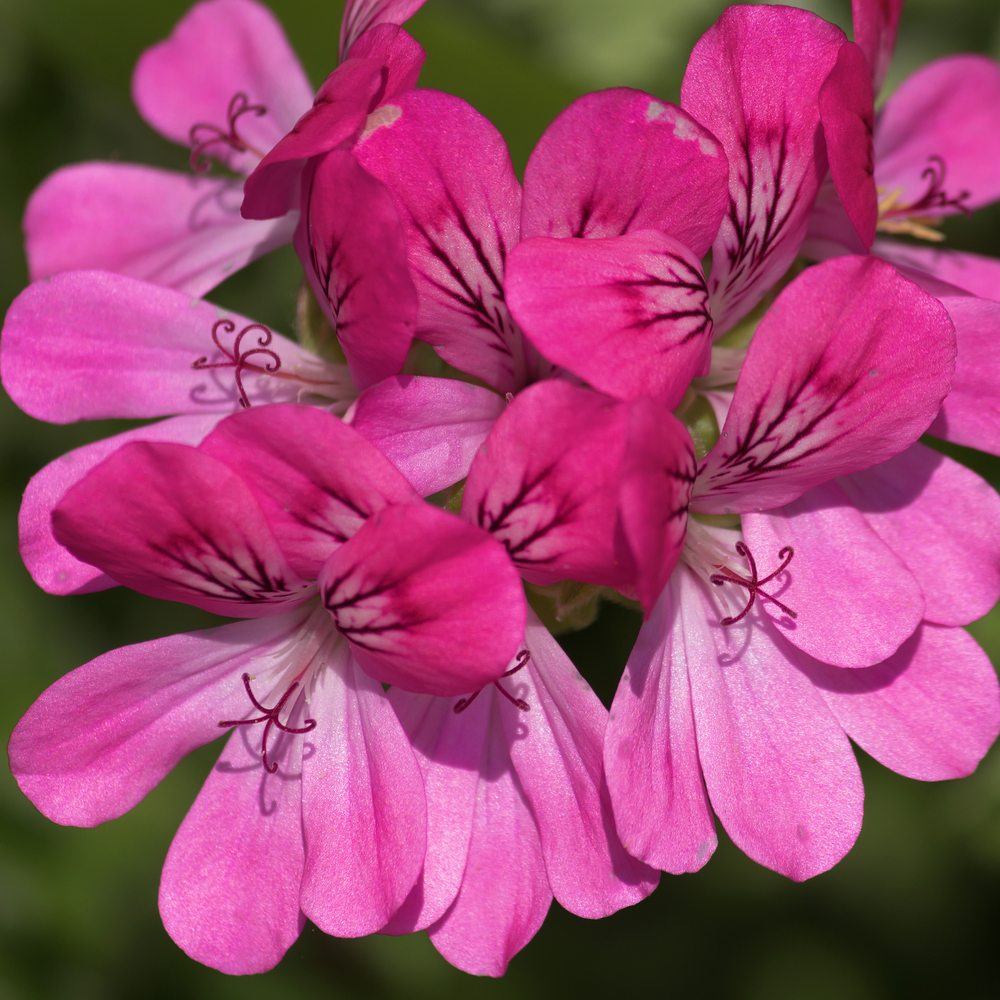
[[779, 770], [931, 712], [451, 174], [429, 428], [866, 360], [936, 142], [363, 810], [171, 522], [855, 599], [651, 756], [229, 894], [505, 892], [220, 49], [352, 247], [754, 80], [620, 161], [51, 566], [100, 738], [943, 521], [875, 25], [557, 751], [88, 345], [969, 271], [360, 15], [628, 315], [316, 479], [429, 603], [171, 229]]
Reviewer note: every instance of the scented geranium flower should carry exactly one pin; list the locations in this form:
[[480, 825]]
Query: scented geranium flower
[[835, 614], [287, 517]]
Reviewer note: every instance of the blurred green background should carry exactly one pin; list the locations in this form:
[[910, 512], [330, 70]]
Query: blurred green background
[[913, 911]]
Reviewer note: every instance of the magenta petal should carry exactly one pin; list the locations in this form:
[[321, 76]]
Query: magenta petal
[[936, 137], [620, 161], [754, 80], [361, 15], [51, 566], [969, 271], [100, 738], [220, 49], [169, 521], [171, 229], [931, 712], [429, 603], [429, 428], [628, 315], [855, 599], [875, 26], [651, 756], [866, 360], [943, 521], [316, 479], [398, 53], [557, 751], [363, 807]]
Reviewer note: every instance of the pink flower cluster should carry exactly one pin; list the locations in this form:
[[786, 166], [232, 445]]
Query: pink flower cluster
[[686, 364]]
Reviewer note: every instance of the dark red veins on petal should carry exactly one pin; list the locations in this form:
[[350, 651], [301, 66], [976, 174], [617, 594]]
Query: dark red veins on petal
[[753, 584], [205, 137], [522, 661]]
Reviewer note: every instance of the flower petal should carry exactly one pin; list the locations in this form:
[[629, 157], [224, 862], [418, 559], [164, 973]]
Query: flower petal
[[628, 315], [875, 26], [620, 161], [429, 603], [429, 428], [866, 360], [969, 271], [361, 15]]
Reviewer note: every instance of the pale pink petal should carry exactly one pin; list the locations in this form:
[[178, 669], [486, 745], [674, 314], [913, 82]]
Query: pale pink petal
[[628, 315], [363, 810], [875, 25], [429, 428], [360, 15], [650, 755], [171, 229], [460, 201], [173, 523], [51, 566], [220, 49], [557, 751], [969, 271], [100, 738], [316, 479], [429, 602], [936, 142], [88, 345], [855, 599], [620, 161], [866, 360], [943, 521], [931, 712], [754, 80]]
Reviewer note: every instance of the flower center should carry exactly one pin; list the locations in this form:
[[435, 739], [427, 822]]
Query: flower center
[[205, 137], [522, 661], [921, 218], [753, 584]]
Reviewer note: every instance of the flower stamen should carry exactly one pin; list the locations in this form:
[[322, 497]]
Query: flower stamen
[[753, 584], [203, 136], [522, 661]]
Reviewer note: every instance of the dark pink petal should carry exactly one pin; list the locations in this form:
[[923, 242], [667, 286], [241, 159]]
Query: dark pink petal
[[931, 712], [628, 315], [363, 810], [91, 345], [429, 603], [936, 143], [847, 109], [352, 247], [650, 755], [780, 773], [172, 229], [229, 894], [620, 161], [100, 738], [429, 428], [855, 599], [221, 49], [51, 566], [875, 26], [398, 53], [969, 271], [360, 15], [557, 751], [460, 201], [316, 479], [866, 358], [754, 80], [943, 521], [173, 523]]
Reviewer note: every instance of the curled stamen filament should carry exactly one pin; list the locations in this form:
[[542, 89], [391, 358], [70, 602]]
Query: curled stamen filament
[[753, 584], [203, 136], [522, 661]]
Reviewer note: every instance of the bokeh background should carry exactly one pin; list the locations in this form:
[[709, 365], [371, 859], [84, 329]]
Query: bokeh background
[[913, 911]]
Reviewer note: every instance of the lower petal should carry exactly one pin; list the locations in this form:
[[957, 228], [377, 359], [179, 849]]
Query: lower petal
[[969, 271]]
